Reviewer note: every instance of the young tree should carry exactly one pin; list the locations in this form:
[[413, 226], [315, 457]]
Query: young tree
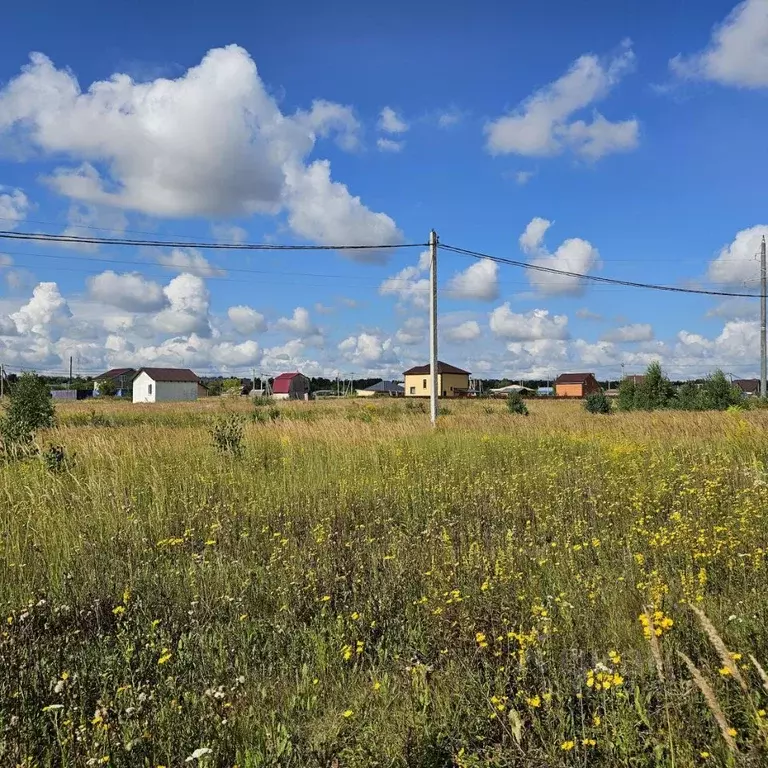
[[626, 398], [107, 388], [688, 397], [717, 393], [30, 408], [654, 391], [597, 402], [516, 404]]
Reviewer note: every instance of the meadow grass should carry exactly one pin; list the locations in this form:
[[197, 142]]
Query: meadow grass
[[358, 589]]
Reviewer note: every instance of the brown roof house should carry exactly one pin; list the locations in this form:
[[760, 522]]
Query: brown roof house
[[451, 381], [748, 387], [156, 385], [576, 384]]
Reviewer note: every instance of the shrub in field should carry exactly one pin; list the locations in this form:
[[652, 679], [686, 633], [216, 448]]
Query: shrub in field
[[654, 391], [597, 402], [516, 404], [626, 398], [261, 400], [688, 397], [30, 409], [265, 415], [227, 433], [718, 394]]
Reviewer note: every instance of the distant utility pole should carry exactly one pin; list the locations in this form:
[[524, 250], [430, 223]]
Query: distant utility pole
[[69, 384], [433, 326], [763, 363], [2, 380]]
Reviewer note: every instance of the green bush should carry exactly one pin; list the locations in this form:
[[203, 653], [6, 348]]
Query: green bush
[[688, 397], [626, 398], [30, 408], [597, 402], [227, 433], [107, 388], [516, 404], [718, 394], [654, 391]]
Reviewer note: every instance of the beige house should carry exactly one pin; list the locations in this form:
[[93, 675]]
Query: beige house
[[451, 381]]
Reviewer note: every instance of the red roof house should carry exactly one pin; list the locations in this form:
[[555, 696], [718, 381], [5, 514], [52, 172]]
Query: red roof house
[[290, 386]]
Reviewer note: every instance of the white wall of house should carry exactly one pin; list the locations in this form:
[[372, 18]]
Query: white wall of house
[[146, 390]]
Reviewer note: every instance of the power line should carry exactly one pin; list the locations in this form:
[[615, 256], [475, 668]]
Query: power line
[[81, 240], [592, 278]]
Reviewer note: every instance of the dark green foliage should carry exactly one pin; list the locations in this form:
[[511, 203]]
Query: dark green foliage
[[654, 391], [260, 400], [107, 388], [30, 408], [626, 399], [688, 397], [718, 394], [265, 415], [516, 404], [227, 433], [55, 458], [597, 402]]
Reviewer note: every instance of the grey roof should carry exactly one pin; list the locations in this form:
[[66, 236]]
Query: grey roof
[[386, 386], [169, 374]]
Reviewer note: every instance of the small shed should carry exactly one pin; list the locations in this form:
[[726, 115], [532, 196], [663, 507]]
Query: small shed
[[576, 384], [451, 381], [156, 385], [383, 389], [748, 387], [290, 386]]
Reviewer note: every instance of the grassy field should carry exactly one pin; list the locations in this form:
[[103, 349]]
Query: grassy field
[[357, 589]]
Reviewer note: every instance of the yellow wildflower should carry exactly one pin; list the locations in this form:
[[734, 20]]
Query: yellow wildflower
[[567, 746]]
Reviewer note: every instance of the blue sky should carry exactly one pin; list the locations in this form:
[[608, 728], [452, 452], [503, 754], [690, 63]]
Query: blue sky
[[627, 141]]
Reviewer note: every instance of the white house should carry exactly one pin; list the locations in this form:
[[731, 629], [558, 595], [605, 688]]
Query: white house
[[162, 385]]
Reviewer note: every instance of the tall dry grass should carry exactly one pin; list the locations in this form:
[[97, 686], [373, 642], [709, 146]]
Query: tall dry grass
[[361, 588]]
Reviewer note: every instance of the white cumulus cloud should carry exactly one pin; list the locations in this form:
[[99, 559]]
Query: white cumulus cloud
[[212, 142], [190, 260], [130, 291], [529, 326], [542, 125], [299, 323], [738, 263], [14, 205], [573, 255], [187, 311], [737, 54], [466, 331], [409, 285], [479, 281], [45, 314], [412, 331], [246, 319], [627, 334]]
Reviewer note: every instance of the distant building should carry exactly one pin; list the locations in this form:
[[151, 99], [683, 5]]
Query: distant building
[[748, 387], [545, 391], [635, 378], [382, 389], [121, 377], [451, 381], [163, 385], [576, 384], [291, 386], [510, 389]]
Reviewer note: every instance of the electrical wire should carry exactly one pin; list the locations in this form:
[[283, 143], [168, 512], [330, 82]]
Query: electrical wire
[[82, 240], [591, 278]]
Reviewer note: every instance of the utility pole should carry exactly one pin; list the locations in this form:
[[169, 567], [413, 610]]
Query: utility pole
[[69, 384], [2, 380], [763, 363], [433, 326]]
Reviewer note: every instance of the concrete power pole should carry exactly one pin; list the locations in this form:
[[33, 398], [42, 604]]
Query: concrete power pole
[[433, 327], [763, 362], [69, 385]]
